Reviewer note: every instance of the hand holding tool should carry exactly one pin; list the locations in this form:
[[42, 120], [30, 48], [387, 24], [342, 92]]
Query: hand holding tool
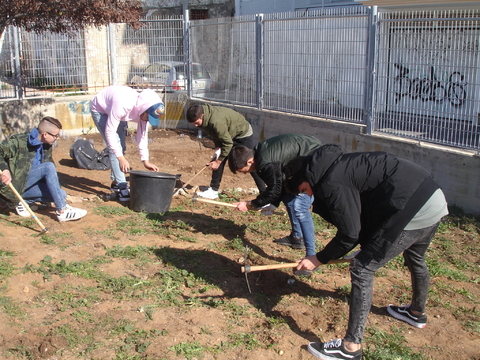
[[196, 198], [249, 268], [19, 197]]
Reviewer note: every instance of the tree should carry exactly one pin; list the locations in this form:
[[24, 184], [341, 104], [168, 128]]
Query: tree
[[63, 16]]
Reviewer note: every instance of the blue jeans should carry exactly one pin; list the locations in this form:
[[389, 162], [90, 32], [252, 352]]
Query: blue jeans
[[100, 121], [42, 185], [413, 244], [298, 208]]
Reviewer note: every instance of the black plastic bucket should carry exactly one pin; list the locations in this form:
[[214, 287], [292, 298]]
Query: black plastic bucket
[[151, 192]]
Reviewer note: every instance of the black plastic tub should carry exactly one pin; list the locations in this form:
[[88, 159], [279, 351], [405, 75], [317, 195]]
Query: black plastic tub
[[151, 192]]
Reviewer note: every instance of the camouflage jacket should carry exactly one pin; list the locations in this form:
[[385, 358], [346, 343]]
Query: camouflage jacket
[[17, 155]]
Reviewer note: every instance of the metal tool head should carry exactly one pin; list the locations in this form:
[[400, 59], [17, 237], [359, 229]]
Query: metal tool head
[[246, 268], [43, 231]]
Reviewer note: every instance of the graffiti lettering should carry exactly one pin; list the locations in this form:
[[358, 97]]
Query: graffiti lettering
[[82, 107], [430, 88]]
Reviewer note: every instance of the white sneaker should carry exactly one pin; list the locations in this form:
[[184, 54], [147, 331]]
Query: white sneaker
[[71, 213], [22, 210], [208, 194]]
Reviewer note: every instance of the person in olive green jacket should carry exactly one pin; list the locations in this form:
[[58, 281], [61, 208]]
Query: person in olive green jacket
[[227, 128], [26, 163]]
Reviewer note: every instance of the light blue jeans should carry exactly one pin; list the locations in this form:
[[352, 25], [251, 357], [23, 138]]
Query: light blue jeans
[[413, 244], [100, 121], [298, 208], [42, 185]]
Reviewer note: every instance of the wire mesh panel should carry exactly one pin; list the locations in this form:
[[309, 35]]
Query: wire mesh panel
[[427, 85], [143, 57], [227, 48], [315, 63], [7, 65], [53, 63]]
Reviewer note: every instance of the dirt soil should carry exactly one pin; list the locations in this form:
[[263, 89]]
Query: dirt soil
[[445, 337]]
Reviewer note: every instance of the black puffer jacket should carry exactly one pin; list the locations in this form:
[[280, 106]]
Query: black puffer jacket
[[272, 155], [369, 196]]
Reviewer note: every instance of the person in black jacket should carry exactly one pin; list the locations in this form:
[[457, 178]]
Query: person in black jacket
[[383, 203], [268, 159]]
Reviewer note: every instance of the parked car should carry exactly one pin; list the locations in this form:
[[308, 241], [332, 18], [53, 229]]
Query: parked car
[[171, 77]]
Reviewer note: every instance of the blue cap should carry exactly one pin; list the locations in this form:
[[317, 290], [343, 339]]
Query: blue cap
[[154, 113]]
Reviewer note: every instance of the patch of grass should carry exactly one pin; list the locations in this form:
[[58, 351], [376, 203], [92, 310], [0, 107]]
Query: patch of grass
[[128, 252], [109, 211], [133, 226], [189, 350], [47, 240], [344, 290], [108, 233], [6, 267], [87, 269], [247, 341], [12, 309], [391, 345], [188, 239], [69, 297], [438, 268]]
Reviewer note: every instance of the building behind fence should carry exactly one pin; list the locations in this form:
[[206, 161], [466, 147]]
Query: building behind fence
[[406, 74]]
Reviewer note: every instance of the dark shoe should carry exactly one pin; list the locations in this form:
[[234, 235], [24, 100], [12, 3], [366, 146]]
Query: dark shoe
[[291, 241], [114, 187], [403, 313], [117, 187], [124, 195], [333, 350]]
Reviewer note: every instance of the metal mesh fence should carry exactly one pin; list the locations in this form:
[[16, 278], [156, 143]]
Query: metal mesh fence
[[315, 64], [427, 84], [310, 63], [159, 40], [227, 48], [7, 65], [53, 62]]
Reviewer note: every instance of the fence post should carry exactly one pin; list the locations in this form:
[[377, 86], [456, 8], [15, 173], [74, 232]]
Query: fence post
[[113, 53], [370, 72], [18, 81], [187, 42], [259, 56]]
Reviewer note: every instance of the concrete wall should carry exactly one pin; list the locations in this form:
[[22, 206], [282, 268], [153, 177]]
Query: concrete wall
[[456, 171]]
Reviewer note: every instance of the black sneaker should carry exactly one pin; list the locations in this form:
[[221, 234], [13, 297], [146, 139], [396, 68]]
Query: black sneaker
[[291, 241], [124, 195], [403, 313], [333, 350]]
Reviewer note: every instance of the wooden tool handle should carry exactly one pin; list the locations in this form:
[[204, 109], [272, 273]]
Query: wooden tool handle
[[269, 267], [19, 197], [214, 202], [229, 205], [288, 265]]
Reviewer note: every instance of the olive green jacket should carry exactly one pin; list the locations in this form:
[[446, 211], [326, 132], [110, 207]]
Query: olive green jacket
[[223, 125], [17, 156]]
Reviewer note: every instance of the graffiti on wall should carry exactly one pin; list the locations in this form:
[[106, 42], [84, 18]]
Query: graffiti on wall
[[429, 87], [81, 107]]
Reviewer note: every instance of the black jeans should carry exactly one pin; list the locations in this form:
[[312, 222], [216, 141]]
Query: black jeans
[[413, 244], [218, 174]]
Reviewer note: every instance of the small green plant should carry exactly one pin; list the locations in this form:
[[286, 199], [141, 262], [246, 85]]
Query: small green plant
[[108, 211], [190, 350], [387, 346]]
